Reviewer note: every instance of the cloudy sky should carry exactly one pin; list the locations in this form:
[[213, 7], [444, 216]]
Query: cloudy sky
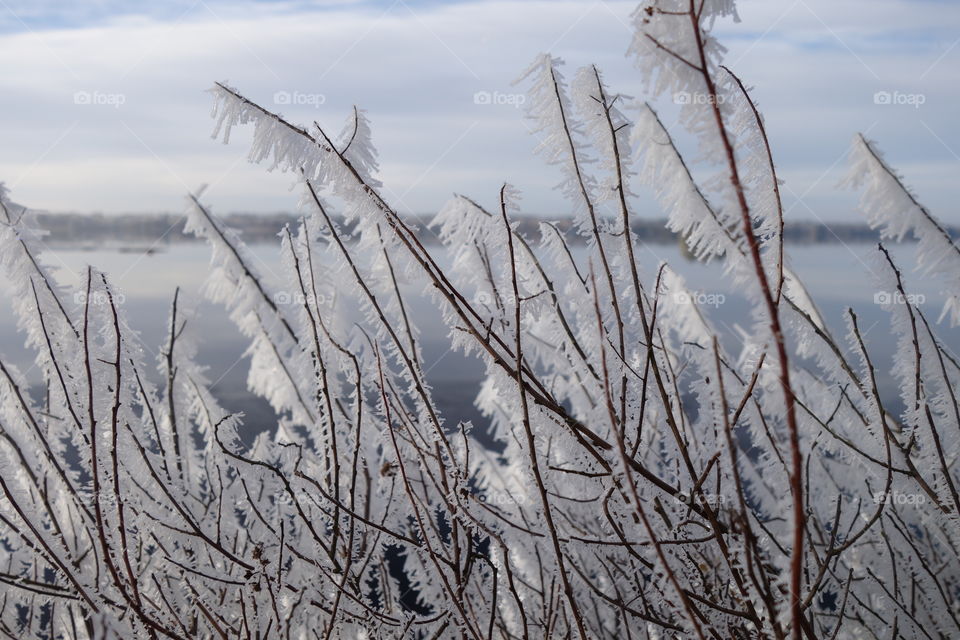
[[104, 107]]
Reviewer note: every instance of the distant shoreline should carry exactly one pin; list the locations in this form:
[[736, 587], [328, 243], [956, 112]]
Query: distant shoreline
[[142, 232]]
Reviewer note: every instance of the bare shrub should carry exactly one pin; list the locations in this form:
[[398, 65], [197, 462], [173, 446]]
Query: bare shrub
[[652, 483]]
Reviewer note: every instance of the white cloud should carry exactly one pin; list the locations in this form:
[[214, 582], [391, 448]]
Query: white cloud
[[144, 138]]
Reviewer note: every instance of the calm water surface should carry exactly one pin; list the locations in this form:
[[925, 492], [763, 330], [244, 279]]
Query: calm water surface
[[836, 276]]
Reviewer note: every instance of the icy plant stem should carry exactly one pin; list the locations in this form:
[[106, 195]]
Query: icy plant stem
[[796, 455]]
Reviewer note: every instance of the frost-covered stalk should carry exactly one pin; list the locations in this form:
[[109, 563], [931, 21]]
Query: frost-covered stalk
[[640, 479], [891, 207]]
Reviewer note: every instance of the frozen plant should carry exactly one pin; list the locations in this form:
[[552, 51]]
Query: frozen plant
[[652, 484]]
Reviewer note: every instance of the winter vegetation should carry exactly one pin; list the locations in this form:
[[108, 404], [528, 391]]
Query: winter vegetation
[[650, 483]]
